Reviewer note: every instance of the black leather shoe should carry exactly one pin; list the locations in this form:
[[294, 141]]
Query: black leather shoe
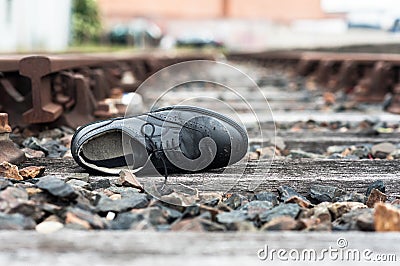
[[174, 139]]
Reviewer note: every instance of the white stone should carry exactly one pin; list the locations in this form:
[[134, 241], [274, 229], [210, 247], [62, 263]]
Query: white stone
[[110, 216], [48, 227]]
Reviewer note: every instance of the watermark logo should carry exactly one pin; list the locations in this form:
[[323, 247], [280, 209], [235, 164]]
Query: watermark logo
[[217, 86], [340, 252]]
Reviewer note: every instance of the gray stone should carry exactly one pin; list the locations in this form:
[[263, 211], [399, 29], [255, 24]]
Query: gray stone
[[157, 189], [257, 204], [286, 192], [32, 181], [335, 149], [28, 209], [337, 209], [299, 201], [94, 220], [128, 179], [267, 196], [75, 183], [171, 214], [280, 223], [210, 198], [206, 215], [197, 224], [106, 204], [256, 207], [365, 221], [54, 149], [358, 219], [77, 226], [289, 209], [154, 215], [100, 183], [191, 211], [383, 149], [211, 226], [12, 194], [50, 208], [124, 191], [244, 226], [78, 176], [125, 220], [378, 184], [322, 193], [34, 144], [178, 198], [4, 183], [16, 221], [30, 153], [212, 202], [232, 216], [353, 196], [235, 201], [361, 152], [56, 187]]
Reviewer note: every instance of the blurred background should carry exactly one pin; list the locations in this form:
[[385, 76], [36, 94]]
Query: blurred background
[[85, 25]]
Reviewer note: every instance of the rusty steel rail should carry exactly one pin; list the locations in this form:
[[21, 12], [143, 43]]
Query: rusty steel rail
[[366, 77], [70, 87]]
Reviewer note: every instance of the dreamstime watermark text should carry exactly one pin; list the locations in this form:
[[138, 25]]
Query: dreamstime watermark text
[[340, 252]]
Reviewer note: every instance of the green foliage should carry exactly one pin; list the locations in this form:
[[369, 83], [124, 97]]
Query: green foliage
[[86, 25]]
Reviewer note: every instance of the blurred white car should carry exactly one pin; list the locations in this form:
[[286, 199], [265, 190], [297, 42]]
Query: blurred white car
[[365, 19], [383, 20]]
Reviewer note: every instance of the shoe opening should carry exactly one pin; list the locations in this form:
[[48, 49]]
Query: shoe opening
[[114, 149]]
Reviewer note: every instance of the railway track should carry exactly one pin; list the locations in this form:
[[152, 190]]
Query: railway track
[[70, 89], [366, 77]]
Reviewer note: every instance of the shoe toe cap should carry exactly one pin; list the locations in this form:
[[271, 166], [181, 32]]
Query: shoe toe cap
[[238, 143]]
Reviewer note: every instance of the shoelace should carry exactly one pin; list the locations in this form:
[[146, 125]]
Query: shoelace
[[154, 150]]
